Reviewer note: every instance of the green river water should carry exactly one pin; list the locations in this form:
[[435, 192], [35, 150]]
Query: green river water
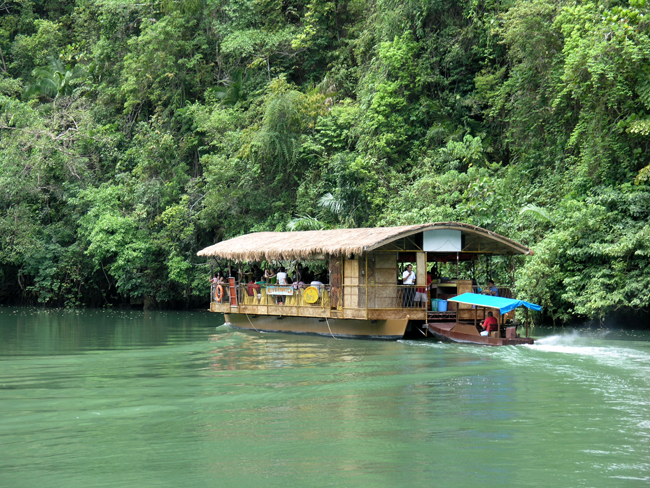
[[174, 399]]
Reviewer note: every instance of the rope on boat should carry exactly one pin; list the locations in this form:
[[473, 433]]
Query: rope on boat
[[330, 329], [249, 320]]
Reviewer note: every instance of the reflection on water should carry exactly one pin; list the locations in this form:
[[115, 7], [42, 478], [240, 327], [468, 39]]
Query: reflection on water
[[111, 398], [42, 331]]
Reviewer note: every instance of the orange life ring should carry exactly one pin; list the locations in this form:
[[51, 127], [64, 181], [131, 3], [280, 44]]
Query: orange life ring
[[218, 293]]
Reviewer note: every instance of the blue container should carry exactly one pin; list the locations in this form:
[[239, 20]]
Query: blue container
[[442, 305], [434, 304]]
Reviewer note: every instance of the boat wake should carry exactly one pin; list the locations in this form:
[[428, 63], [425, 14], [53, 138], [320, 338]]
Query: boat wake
[[594, 346], [572, 338]]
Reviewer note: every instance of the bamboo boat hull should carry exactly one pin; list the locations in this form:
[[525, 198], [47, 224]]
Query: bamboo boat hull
[[446, 332], [389, 330]]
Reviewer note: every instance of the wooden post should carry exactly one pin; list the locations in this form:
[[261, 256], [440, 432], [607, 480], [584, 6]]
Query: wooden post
[[526, 322], [487, 267], [366, 281], [475, 316], [428, 288], [473, 268], [499, 325]]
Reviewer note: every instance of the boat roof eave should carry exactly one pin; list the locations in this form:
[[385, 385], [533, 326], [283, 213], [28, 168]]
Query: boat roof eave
[[504, 305], [519, 248], [278, 246]]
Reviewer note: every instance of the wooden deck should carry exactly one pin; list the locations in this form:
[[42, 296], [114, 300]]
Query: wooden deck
[[321, 312]]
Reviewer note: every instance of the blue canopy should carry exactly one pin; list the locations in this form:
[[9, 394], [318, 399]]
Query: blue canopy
[[504, 305]]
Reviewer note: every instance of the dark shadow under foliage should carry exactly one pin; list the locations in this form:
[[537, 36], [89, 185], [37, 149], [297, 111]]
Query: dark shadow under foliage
[[132, 134]]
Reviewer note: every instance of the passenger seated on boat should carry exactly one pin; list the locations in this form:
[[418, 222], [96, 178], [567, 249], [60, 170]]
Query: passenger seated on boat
[[319, 286], [490, 289], [252, 289], [490, 324]]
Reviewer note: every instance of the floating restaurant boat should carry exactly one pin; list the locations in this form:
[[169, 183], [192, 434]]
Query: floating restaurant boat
[[362, 296]]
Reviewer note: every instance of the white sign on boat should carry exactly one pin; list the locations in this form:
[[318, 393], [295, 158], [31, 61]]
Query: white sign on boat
[[279, 290]]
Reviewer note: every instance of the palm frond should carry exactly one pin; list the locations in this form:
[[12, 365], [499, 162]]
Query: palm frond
[[305, 222], [536, 212], [331, 203]]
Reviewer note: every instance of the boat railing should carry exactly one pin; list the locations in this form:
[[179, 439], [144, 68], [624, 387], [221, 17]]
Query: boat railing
[[287, 295], [385, 297], [213, 293], [346, 296]]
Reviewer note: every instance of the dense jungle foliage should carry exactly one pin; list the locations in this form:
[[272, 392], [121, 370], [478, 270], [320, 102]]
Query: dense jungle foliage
[[132, 134]]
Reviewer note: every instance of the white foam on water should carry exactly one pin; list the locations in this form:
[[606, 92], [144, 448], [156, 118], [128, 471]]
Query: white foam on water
[[419, 343], [572, 338], [613, 355]]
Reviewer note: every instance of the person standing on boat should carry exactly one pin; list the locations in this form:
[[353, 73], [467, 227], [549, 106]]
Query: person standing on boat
[[220, 279], [217, 280], [408, 278], [213, 285], [283, 279], [307, 275], [269, 275], [257, 273], [490, 324]]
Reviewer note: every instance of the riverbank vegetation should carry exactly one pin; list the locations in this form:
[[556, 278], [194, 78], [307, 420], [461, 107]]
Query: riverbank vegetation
[[132, 134]]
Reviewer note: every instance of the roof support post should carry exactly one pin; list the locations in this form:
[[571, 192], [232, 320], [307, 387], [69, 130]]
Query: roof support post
[[499, 324], [474, 267], [526, 321], [488, 260], [366, 281], [421, 271]]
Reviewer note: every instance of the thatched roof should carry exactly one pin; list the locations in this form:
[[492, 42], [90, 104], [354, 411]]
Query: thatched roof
[[314, 244]]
